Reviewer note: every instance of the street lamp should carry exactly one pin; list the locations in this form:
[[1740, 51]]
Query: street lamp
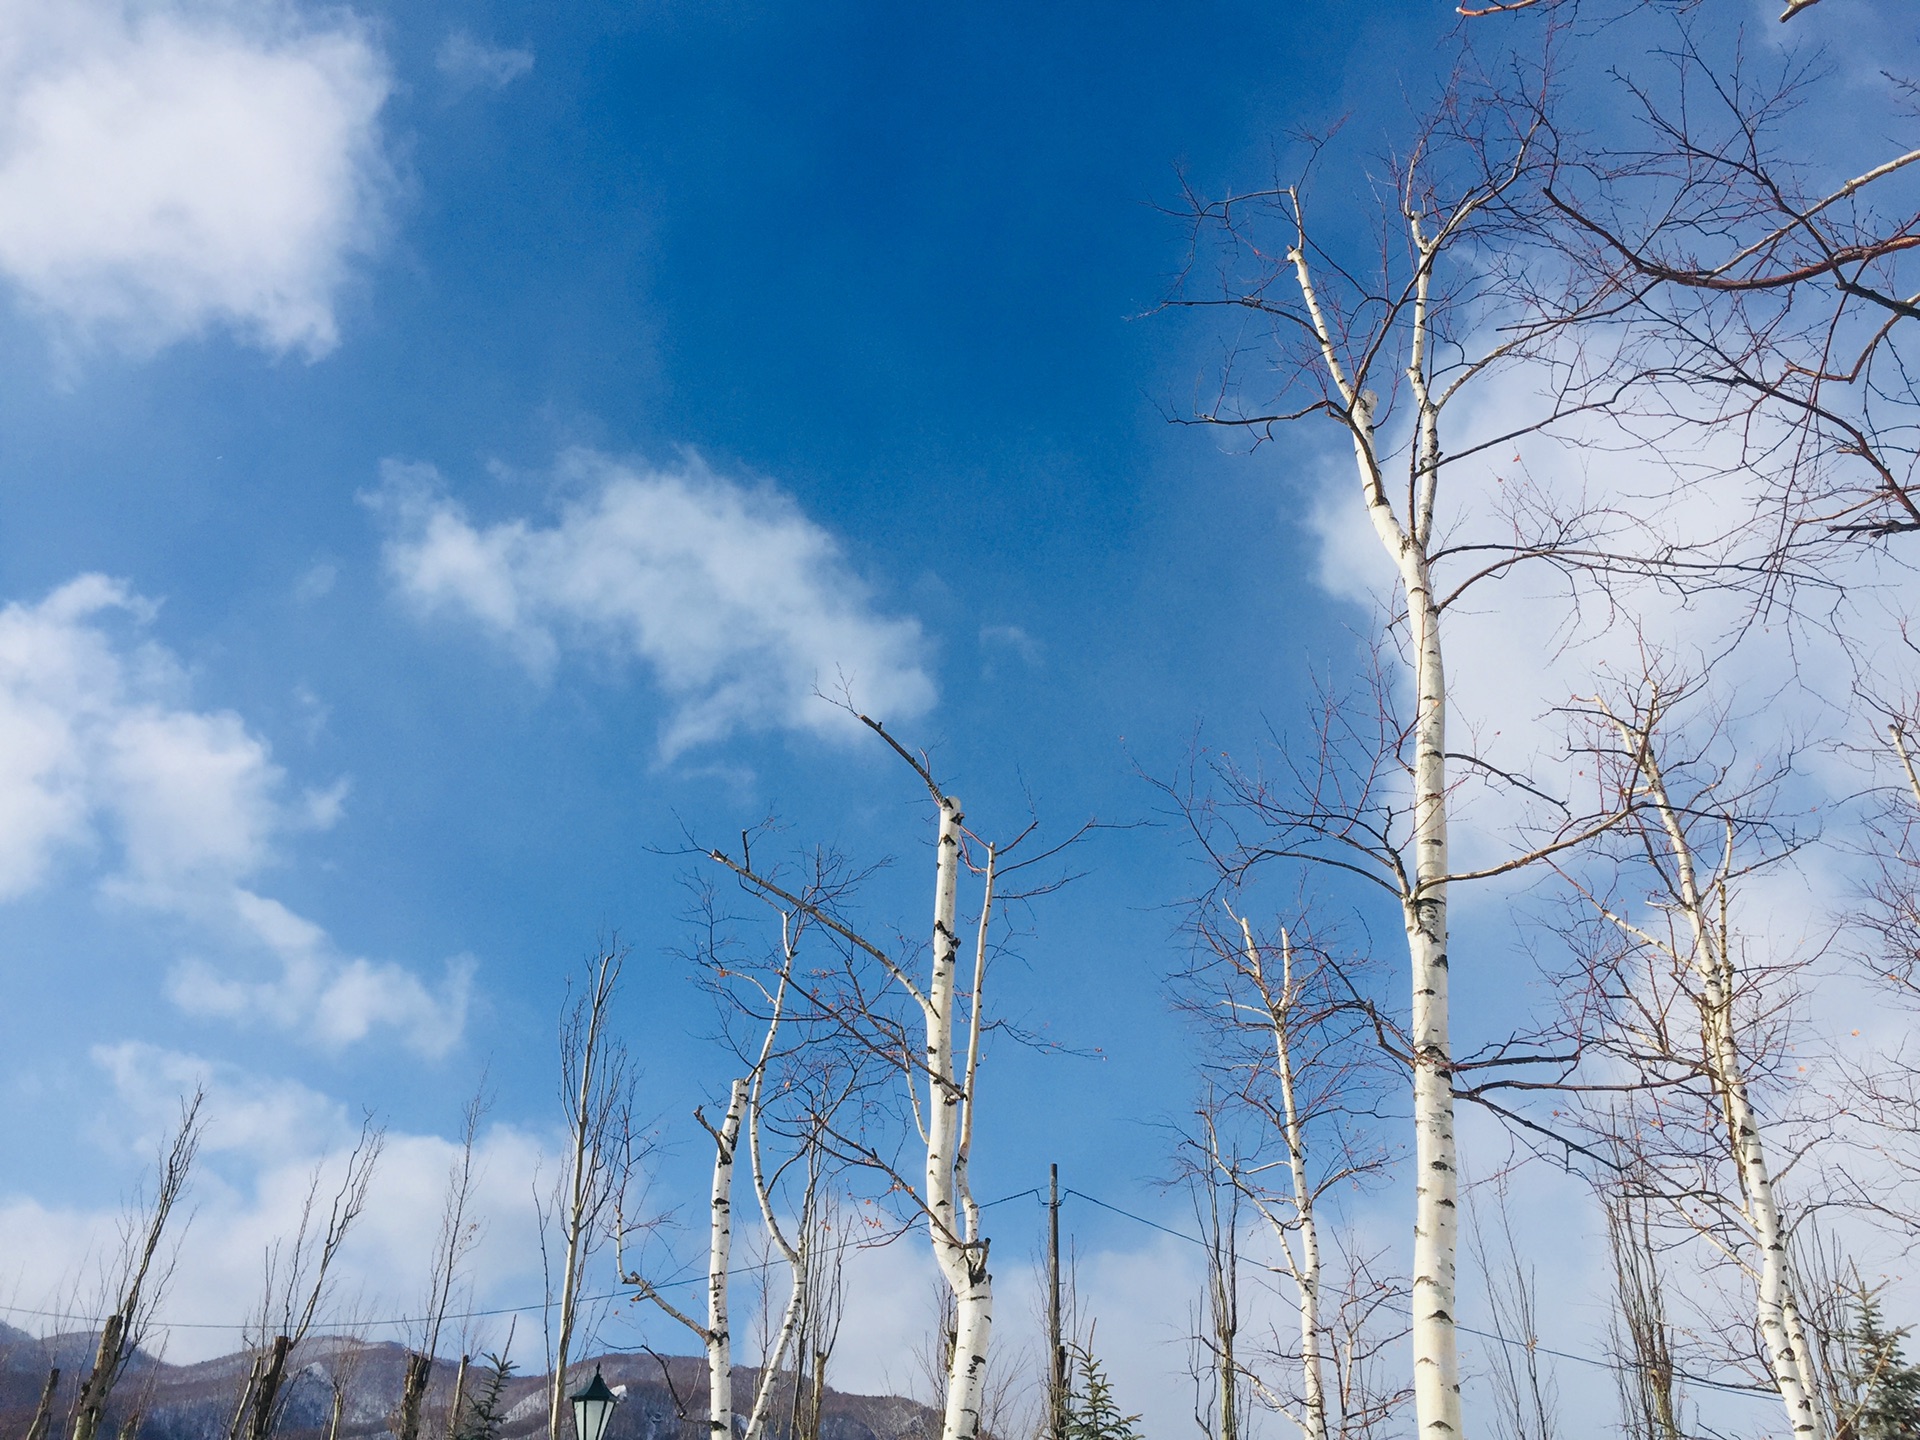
[[592, 1408]]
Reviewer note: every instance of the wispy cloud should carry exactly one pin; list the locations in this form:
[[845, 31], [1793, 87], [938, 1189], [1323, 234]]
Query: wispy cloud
[[172, 167], [740, 605], [996, 640], [179, 810], [469, 64]]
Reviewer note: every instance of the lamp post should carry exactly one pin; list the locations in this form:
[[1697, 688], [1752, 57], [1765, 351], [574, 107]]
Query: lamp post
[[593, 1408]]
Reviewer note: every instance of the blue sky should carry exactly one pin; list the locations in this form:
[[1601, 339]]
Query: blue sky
[[889, 274], [360, 758]]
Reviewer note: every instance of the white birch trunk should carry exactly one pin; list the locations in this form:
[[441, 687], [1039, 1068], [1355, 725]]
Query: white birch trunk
[[1307, 1271], [1436, 1375], [783, 1341], [1299, 1220], [963, 1264], [719, 1337], [796, 1262], [945, 1116], [1776, 1311], [1436, 1361], [1786, 1352]]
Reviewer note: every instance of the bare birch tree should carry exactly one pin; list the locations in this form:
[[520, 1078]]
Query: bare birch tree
[[826, 1233], [715, 1334], [1387, 352], [1219, 1386], [816, 1094], [1525, 1396], [1695, 1028], [1296, 1076], [822, 1099], [858, 1001]]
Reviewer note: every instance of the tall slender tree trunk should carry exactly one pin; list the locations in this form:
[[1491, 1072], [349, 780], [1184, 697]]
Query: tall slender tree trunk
[[1223, 1285], [819, 1395], [961, 1256], [594, 1065], [719, 1337], [787, 1335], [1776, 1311], [577, 1204], [1436, 1359], [1307, 1271], [1709, 930], [796, 1256]]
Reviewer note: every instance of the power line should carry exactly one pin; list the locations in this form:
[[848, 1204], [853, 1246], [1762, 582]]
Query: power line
[[345, 1326], [1725, 1386], [1137, 1219], [1728, 1386]]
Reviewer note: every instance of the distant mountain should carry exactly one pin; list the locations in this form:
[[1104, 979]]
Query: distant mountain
[[197, 1402]]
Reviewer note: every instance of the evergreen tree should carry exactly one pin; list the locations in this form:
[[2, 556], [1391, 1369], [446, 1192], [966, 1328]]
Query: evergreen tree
[[487, 1411], [1889, 1387], [1092, 1413]]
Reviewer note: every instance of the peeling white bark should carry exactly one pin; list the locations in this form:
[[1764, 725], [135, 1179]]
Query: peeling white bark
[[1777, 1312], [719, 1337], [1295, 1226], [1306, 1270], [796, 1263], [952, 1220], [1436, 1361], [945, 1114], [1436, 1200]]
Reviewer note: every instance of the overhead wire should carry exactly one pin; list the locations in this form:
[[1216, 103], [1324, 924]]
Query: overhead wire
[[347, 1326], [1532, 1346]]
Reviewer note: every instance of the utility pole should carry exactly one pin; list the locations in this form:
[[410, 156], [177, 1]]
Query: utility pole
[[1056, 1347]]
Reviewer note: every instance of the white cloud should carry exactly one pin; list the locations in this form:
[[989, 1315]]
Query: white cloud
[[468, 64], [336, 999], [740, 604], [175, 165], [102, 755], [266, 1119]]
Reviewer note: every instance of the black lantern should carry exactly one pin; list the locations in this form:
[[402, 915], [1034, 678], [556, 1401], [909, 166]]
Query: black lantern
[[593, 1408]]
